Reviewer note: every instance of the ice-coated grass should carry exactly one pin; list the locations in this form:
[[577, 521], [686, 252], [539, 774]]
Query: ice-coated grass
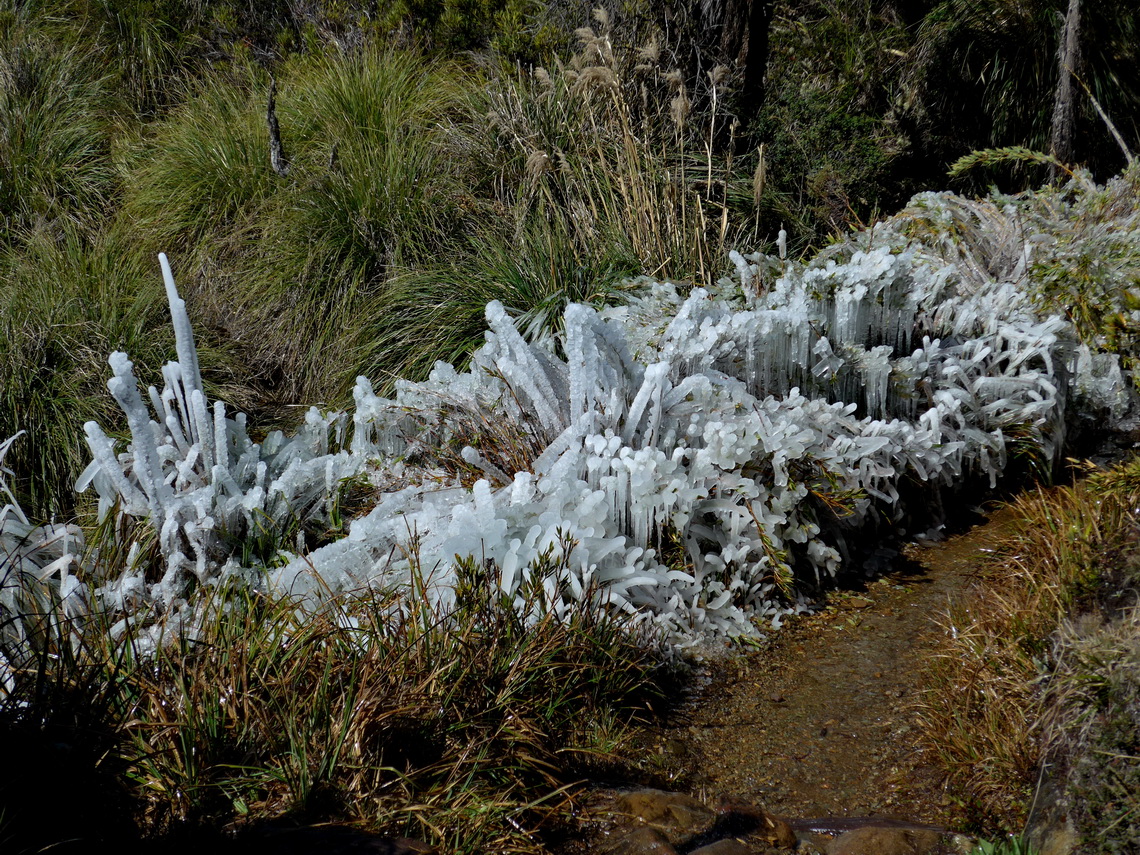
[[54, 340], [701, 454]]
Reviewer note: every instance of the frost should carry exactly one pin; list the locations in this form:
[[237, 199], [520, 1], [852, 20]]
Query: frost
[[39, 589]]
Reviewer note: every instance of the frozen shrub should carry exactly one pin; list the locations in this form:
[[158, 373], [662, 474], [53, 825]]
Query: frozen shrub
[[698, 453], [210, 494]]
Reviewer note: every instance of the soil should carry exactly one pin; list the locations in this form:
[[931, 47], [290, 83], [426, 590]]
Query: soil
[[819, 721]]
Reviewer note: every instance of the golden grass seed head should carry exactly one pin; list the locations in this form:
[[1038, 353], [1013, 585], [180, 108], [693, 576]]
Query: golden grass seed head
[[650, 52], [759, 176], [596, 77], [537, 165], [586, 37], [679, 109]]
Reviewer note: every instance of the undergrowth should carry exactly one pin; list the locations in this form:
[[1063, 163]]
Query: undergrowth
[[1036, 680], [467, 729]]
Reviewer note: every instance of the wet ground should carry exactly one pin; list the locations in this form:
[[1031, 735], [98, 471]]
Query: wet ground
[[820, 721]]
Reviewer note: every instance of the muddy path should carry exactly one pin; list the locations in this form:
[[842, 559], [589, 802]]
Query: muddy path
[[820, 720]]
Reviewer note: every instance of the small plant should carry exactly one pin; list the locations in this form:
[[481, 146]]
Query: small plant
[[1004, 846], [466, 726]]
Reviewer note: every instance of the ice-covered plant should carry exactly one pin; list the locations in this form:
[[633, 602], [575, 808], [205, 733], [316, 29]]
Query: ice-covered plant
[[39, 588], [689, 455], [210, 494], [695, 448]]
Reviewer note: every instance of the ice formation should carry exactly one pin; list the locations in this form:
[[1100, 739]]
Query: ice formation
[[209, 492], [40, 587], [693, 453]]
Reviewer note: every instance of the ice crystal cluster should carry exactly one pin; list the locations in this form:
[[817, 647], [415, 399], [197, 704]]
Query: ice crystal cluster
[[210, 494], [689, 455]]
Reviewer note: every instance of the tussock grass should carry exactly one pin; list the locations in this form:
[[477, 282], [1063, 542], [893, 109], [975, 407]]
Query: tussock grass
[[991, 716], [612, 145], [202, 169], [1096, 736], [371, 190], [295, 267], [437, 312], [465, 726], [56, 108], [65, 305]]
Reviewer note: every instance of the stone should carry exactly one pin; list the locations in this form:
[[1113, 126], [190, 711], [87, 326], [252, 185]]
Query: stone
[[641, 841], [679, 817], [755, 822], [1060, 839], [728, 846], [885, 841]]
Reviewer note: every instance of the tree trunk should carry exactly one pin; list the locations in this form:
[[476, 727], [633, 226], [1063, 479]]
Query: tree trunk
[[1062, 136], [737, 36], [752, 54], [277, 157]]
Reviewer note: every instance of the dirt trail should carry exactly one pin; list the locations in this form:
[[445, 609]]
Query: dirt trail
[[819, 721]]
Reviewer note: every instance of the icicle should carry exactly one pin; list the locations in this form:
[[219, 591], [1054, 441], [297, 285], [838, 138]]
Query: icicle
[[183, 332]]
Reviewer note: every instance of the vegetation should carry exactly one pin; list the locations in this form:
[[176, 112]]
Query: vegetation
[[54, 342], [1037, 684], [463, 728], [428, 142], [443, 154]]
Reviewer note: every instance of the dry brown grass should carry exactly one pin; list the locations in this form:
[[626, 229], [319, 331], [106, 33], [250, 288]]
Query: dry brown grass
[[988, 713], [466, 726]]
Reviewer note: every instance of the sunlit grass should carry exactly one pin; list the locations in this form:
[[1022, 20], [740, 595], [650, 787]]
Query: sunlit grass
[[56, 109], [201, 170], [1002, 677], [464, 728]]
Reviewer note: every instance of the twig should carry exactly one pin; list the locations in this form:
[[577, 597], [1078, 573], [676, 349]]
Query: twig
[[277, 157]]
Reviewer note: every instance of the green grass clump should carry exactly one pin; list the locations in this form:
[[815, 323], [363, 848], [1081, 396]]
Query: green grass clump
[[1006, 846], [438, 312], [65, 305], [56, 109], [294, 267], [201, 170]]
